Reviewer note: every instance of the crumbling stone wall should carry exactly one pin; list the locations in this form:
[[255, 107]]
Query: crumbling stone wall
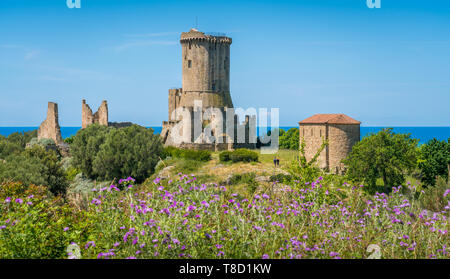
[[49, 129], [100, 117]]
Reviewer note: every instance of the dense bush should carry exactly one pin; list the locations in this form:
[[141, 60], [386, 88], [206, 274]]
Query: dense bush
[[239, 155], [35, 226], [22, 138], [225, 156], [47, 144], [132, 150], [434, 160], [8, 148], [289, 139], [198, 155], [384, 155], [86, 144], [36, 166]]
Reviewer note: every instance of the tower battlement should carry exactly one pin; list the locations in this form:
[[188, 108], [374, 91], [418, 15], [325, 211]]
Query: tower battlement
[[195, 35]]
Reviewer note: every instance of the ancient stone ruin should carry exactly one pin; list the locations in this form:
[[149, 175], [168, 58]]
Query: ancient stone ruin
[[341, 131], [100, 117], [205, 81], [49, 129]]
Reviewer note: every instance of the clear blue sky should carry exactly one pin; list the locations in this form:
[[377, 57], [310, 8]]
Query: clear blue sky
[[384, 67]]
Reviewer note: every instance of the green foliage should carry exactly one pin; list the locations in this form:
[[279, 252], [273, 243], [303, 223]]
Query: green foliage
[[239, 155], [434, 160], [22, 138], [281, 177], [384, 155], [132, 150], [225, 156], [47, 144], [37, 166], [289, 139], [189, 154], [36, 226], [303, 170], [71, 172], [248, 179], [86, 144], [433, 198], [187, 166], [69, 140], [8, 148]]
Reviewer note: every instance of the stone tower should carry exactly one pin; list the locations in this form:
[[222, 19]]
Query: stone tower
[[341, 131], [49, 129], [205, 71], [100, 117], [205, 78]]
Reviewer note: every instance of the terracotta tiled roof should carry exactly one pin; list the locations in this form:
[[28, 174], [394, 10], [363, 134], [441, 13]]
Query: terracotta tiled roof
[[330, 118]]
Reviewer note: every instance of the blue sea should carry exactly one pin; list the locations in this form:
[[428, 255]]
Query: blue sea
[[424, 134]]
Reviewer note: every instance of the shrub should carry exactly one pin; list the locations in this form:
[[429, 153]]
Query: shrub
[[434, 160], [22, 138], [86, 144], [71, 173], [8, 148], [225, 156], [69, 140], [303, 170], [244, 155], [132, 150], [34, 226], [35, 166], [189, 154], [47, 144], [239, 155]]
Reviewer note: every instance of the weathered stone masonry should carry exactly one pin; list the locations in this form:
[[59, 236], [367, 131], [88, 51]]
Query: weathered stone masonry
[[100, 117], [49, 129], [341, 131], [206, 78]]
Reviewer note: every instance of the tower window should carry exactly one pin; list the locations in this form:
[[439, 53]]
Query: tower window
[[189, 63], [213, 86]]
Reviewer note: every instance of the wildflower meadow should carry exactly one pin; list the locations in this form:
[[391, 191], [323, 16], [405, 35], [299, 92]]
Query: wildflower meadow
[[182, 218]]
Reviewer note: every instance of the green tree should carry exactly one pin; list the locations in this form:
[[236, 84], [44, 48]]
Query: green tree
[[22, 138], [85, 146], [8, 148], [434, 160], [289, 139], [384, 155], [35, 166], [131, 151]]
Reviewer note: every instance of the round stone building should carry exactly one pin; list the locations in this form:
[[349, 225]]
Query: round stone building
[[341, 131], [205, 60]]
